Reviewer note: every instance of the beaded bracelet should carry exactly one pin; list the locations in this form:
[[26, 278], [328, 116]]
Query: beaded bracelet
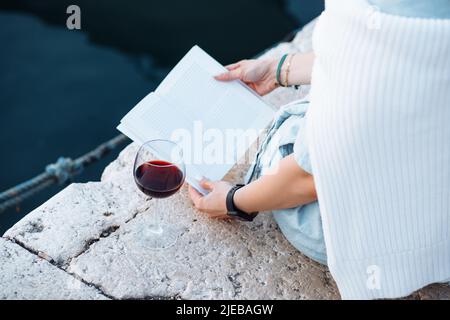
[[280, 65], [288, 66]]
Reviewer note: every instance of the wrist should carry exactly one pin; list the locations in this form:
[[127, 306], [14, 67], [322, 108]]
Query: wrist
[[273, 65], [239, 200], [233, 210], [286, 68]]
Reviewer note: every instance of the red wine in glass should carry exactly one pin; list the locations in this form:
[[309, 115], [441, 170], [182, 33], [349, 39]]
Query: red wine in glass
[[159, 176]]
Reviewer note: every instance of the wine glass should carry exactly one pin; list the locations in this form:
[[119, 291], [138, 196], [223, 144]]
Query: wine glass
[[159, 169]]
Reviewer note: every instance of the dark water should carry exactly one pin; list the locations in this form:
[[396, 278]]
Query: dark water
[[62, 92]]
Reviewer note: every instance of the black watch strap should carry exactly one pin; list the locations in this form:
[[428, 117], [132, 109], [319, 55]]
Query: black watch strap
[[235, 212]]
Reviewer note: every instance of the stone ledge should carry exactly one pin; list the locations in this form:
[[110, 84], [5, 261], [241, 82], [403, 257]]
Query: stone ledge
[[171, 250], [23, 275], [79, 215]]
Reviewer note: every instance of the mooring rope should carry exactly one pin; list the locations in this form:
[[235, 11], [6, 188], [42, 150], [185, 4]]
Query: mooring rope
[[60, 172]]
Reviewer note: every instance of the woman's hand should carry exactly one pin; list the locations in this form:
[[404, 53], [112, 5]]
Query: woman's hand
[[214, 203], [260, 75]]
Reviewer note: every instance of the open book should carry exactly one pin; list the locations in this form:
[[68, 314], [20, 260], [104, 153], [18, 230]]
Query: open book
[[212, 119]]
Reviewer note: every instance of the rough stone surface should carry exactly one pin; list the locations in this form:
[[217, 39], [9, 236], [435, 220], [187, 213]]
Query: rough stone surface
[[112, 237], [81, 213], [171, 250], [24, 275]]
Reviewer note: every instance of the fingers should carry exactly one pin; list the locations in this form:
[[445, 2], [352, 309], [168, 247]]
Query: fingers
[[236, 65], [195, 196], [206, 184], [253, 86], [234, 72], [233, 66], [230, 75], [210, 204]]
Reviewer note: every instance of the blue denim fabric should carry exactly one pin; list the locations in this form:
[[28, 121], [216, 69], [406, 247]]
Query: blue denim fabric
[[302, 225], [438, 9]]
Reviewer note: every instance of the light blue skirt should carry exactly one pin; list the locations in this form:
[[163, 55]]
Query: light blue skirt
[[301, 225]]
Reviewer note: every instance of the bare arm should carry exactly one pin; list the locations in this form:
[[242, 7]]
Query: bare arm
[[260, 74], [301, 69], [289, 185], [286, 187]]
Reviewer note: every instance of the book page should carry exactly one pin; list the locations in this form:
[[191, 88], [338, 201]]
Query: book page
[[218, 105], [191, 83], [192, 102]]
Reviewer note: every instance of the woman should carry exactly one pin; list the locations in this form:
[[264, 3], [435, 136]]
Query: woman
[[379, 142]]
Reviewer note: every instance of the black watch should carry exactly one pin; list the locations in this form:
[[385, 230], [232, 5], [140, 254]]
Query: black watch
[[235, 212]]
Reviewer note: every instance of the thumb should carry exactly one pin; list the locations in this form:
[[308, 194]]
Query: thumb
[[230, 75], [206, 184]]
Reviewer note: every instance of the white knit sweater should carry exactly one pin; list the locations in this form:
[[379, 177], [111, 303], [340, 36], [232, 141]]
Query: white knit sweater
[[379, 138]]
